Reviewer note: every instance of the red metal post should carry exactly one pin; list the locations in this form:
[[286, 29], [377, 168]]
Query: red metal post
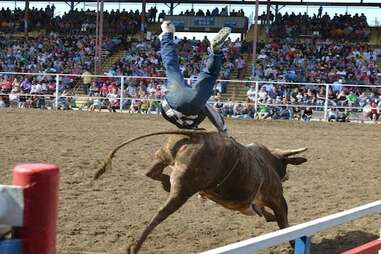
[[255, 36], [100, 43], [96, 40], [98, 37], [40, 206]]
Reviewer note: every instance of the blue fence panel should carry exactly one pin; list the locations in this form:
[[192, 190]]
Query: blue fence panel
[[302, 245], [10, 246]]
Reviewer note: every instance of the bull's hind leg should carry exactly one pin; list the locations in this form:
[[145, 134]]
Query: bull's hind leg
[[178, 195], [156, 173]]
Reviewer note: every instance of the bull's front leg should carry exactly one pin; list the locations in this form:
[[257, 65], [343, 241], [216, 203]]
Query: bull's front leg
[[179, 194], [280, 208], [156, 173]]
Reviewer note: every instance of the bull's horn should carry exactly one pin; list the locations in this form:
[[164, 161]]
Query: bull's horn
[[290, 152]]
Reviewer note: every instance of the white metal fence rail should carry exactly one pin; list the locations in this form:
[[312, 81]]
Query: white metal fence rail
[[297, 231], [325, 107]]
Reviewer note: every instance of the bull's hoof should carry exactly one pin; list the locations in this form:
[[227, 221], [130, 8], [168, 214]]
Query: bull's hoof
[[202, 197]]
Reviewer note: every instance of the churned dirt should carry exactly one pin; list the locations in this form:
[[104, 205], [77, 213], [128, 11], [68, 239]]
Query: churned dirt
[[343, 171]]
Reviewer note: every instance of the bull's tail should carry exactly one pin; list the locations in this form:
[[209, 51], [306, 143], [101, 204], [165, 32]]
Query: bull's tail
[[107, 164]]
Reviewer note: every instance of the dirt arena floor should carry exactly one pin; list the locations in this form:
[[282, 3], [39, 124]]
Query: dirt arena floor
[[343, 171]]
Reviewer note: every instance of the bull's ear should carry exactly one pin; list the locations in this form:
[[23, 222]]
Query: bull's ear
[[295, 160]]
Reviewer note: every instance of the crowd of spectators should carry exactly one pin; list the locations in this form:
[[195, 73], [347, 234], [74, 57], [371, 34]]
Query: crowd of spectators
[[45, 55], [264, 111], [317, 49], [142, 63], [75, 54], [298, 105], [317, 61], [348, 27], [120, 22], [295, 60], [13, 20], [142, 59], [52, 53], [303, 49], [224, 12]]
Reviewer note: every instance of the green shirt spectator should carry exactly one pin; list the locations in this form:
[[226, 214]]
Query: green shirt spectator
[[351, 98], [264, 109]]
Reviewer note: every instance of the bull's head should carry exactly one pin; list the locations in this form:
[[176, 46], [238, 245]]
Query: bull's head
[[283, 155]]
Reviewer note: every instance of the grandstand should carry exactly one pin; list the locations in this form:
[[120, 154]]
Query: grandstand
[[292, 48]]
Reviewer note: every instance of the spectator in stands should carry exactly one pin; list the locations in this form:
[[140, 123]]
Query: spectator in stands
[[135, 105], [228, 108], [372, 111], [215, 12], [345, 26], [86, 81], [93, 88], [200, 13], [251, 93], [307, 114], [282, 113], [161, 16], [14, 99], [113, 100], [96, 103], [2, 102], [264, 111], [240, 65], [152, 14]]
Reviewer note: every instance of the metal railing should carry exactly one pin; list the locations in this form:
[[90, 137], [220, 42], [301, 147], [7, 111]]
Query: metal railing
[[301, 233], [324, 106]]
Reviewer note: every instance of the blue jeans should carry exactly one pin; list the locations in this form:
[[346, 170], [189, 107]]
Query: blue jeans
[[189, 100]]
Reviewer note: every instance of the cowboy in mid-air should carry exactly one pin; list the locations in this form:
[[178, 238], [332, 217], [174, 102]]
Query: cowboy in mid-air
[[184, 105]]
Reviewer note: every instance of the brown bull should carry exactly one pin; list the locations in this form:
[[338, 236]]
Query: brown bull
[[243, 178]]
